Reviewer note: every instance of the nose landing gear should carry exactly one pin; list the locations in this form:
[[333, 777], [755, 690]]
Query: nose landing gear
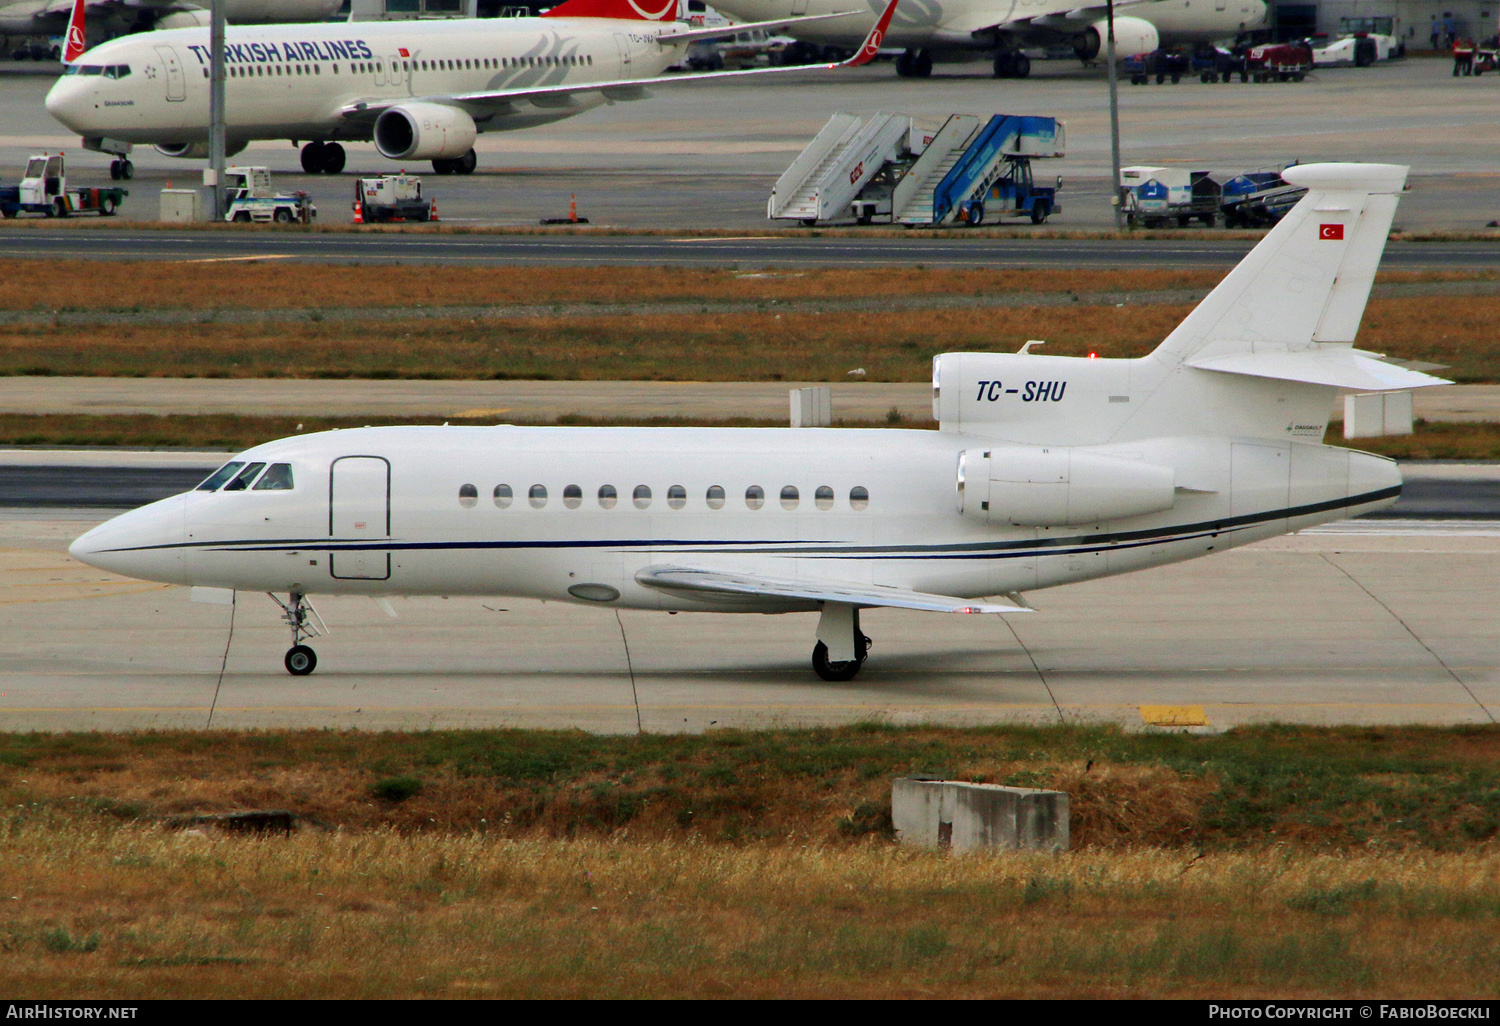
[[842, 646], [305, 622]]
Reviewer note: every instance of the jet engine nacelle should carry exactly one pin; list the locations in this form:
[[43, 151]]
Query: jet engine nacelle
[[198, 150], [1132, 35], [1056, 486], [424, 131]]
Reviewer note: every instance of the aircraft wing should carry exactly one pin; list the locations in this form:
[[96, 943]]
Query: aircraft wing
[[688, 35], [1062, 15], [620, 89], [734, 582]]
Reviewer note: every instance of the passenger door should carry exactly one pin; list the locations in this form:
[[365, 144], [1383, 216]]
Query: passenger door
[[359, 514], [176, 83]]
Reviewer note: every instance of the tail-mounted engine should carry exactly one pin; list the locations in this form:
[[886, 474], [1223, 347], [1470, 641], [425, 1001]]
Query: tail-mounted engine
[[1056, 486]]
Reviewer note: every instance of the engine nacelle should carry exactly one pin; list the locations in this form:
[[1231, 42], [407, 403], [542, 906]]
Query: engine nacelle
[[1057, 486], [424, 131], [1132, 36], [199, 150]]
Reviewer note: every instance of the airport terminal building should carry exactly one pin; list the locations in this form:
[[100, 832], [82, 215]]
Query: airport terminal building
[[1413, 21]]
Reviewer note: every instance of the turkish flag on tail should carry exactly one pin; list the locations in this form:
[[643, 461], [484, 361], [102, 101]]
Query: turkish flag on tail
[[74, 46]]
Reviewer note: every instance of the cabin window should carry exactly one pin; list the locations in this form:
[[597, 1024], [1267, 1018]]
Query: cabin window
[[755, 496], [335, 69], [715, 497], [243, 478], [859, 497], [789, 497], [218, 477], [503, 495], [591, 59], [642, 496], [823, 497], [572, 496], [677, 496], [468, 495], [608, 496], [205, 72], [538, 496], [317, 70], [276, 479]]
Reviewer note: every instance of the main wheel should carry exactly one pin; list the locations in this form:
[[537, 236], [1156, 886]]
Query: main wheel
[[921, 65], [1005, 64], [442, 165], [312, 158], [333, 159], [903, 63], [466, 164], [839, 671], [127, 170], [300, 660], [1021, 66]]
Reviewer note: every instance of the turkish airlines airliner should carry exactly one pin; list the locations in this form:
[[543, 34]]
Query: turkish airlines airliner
[[1045, 470], [421, 90]]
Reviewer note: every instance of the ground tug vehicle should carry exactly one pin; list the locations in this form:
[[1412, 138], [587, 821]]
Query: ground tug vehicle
[[251, 198], [44, 190]]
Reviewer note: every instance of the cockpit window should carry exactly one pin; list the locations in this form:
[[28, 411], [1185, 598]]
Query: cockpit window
[[277, 479], [219, 476], [243, 478], [107, 70], [117, 71]]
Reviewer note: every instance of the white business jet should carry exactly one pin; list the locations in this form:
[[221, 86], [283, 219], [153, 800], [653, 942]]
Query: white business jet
[[1045, 470], [955, 29], [421, 90]]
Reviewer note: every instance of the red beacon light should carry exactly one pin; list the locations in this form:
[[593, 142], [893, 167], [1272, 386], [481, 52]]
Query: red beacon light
[[1093, 356]]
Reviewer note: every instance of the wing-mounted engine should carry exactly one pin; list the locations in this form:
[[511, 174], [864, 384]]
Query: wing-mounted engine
[[1132, 36], [1057, 486], [197, 150], [424, 131]]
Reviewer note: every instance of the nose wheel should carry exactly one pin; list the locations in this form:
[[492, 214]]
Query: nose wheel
[[300, 660], [304, 622]]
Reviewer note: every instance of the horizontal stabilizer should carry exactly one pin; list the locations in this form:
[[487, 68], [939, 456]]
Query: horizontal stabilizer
[[725, 582], [1352, 369]]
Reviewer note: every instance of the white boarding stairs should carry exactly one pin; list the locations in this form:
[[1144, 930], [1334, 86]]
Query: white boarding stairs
[[911, 203], [836, 165]]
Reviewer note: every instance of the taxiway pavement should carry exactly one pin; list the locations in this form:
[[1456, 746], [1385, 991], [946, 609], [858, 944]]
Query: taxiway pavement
[[1353, 623]]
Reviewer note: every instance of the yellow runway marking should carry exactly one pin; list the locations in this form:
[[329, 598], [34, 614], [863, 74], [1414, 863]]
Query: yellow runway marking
[[1174, 715]]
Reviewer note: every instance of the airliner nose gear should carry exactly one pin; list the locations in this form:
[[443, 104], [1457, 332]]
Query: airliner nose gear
[[305, 622]]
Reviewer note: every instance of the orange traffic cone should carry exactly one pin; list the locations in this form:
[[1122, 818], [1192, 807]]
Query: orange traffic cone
[[433, 215], [572, 208], [359, 212]]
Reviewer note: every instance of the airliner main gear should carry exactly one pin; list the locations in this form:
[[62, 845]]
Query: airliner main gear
[[842, 646], [305, 622], [464, 165], [914, 63], [323, 158]]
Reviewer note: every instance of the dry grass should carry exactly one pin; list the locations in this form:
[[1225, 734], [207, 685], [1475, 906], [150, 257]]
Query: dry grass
[[1275, 861], [274, 284], [128, 912], [1478, 440]]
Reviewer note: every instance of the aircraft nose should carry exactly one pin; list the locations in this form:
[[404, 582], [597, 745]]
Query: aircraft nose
[[146, 543], [66, 100]]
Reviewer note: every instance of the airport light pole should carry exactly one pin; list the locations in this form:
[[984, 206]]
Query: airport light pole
[[1114, 123], [214, 178]]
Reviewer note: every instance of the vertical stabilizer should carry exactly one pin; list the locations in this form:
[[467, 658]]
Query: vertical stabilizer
[[1308, 279]]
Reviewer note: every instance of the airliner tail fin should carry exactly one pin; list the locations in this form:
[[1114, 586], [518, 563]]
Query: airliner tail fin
[[624, 10], [74, 44]]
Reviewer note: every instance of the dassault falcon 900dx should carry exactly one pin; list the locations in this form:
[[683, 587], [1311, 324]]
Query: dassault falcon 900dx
[[421, 90], [1045, 470]]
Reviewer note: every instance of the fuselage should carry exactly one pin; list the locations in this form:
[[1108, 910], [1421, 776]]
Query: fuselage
[[958, 24], [535, 512], [295, 81]]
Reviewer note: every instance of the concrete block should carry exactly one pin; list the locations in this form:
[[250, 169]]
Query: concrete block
[[1376, 414], [181, 205], [965, 817], [812, 407]]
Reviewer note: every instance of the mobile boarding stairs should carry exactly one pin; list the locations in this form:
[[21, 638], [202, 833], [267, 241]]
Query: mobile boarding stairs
[[889, 168]]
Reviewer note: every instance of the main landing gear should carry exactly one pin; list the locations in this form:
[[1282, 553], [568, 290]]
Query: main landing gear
[[305, 622], [914, 63], [464, 165], [842, 646], [1012, 64], [323, 158]]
